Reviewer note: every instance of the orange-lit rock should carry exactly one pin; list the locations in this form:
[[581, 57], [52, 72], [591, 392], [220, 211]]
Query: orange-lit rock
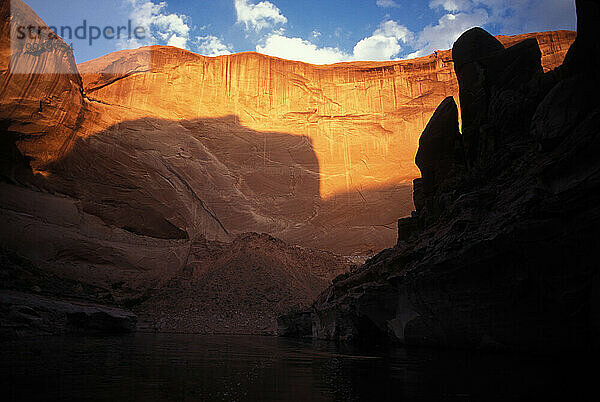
[[160, 143], [42, 102], [363, 118]]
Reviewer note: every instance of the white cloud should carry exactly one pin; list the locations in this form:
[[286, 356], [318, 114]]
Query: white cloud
[[160, 27], [444, 34], [384, 44], [451, 5], [211, 46], [387, 3], [299, 49], [377, 48], [258, 16], [517, 16]]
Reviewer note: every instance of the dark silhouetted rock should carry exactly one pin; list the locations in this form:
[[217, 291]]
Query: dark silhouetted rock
[[584, 54], [511, 261], [473, 46], [167, 144], [114, 179], [440, 155], [295, 325], [492, 89], [468, 52], [575, 97]]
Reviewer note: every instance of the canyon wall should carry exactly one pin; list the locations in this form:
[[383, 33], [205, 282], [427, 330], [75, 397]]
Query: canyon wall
[[363, 118], [41, 97], [172, 146], [502, 250]]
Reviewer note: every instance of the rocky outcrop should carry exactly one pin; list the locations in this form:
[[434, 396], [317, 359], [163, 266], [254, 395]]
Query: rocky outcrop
[[239, 287], [41, 97], [25, 314], [295, 325], [491, 95], [163, 143], [441, 155], [509, 259], [362, 118]]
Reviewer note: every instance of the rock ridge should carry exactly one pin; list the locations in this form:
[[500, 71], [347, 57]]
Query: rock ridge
[[501, 251]]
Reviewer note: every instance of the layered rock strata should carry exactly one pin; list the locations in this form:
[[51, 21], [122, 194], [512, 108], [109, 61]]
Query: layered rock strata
[[501, 251], [113, 171], [164, 143]]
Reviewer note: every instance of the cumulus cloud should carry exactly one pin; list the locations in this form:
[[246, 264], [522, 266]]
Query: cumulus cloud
[[299, 49], [384, 43], [160, 26], [392, 41], [258, 16], [387, 3], [451, 5], [448, 29], [516, 16], [212, 46]]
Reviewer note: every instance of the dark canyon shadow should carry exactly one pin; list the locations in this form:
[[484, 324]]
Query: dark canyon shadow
[[217, 178]]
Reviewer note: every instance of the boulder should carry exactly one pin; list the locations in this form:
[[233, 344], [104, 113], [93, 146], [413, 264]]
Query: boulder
[[440, 153], [493, 90], [24, 314]]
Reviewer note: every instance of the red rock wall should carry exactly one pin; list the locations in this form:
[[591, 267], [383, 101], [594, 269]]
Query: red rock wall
[[168, 144], [364, 118], [40, 94]]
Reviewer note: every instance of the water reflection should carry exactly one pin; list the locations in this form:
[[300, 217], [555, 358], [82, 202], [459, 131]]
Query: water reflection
[[146, 367]]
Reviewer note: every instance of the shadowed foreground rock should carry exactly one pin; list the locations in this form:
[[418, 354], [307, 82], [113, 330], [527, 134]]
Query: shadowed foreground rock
[[237, 288], [508, 257], [25, 314]]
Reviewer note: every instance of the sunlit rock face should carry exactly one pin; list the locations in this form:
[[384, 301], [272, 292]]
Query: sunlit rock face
[[41, 99], [114, 171], [363, 118], [317, 155], [163, 146], [502, 250]]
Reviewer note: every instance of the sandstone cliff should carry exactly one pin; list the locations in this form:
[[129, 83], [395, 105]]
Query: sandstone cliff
[[363, 118], [168, 144], [114, 178], [502, 249], [41, 99]]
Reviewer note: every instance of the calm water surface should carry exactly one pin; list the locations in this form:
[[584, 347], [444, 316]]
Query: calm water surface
[[145, 367]]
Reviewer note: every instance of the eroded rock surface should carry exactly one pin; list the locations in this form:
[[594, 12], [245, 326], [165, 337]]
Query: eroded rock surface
[[26, 314], [239, 287], [41, 98], [111, 179], [167, 144], [510, 261]]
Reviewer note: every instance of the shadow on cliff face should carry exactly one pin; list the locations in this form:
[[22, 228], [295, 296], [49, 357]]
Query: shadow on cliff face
[[214, 177], [178, 179], [502, 251], [125, 215]]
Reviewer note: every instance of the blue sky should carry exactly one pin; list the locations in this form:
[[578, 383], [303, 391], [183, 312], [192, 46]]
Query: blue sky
[[315, 31]]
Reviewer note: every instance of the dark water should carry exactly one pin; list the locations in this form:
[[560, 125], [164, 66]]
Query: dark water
[[146, 367]]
